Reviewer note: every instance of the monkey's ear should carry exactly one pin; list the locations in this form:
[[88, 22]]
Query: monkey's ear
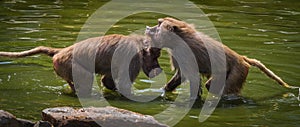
[[170, 28]]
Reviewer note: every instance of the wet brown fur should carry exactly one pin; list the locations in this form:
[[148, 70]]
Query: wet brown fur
[[237, 66], [105, 46]]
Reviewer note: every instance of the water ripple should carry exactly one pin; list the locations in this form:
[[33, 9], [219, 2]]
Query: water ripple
[[258, 35], [5, 62], [46, 6], [32, 39], [12, 21], [286, 32], [26, 29], [287, 12], [252, 2], [15, 1]]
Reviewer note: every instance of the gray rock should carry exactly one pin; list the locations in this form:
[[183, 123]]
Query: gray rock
[[9, 120], [97, 117]]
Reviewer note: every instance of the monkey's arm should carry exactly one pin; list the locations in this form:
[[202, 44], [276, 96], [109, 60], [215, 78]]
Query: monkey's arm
[[173, 83], [176, 80]]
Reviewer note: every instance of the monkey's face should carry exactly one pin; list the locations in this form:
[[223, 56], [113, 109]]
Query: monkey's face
[[166, 32], [150, 65], [151, 32]]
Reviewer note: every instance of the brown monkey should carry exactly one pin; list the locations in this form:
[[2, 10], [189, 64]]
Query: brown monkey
[[103, 49], [236, 68]]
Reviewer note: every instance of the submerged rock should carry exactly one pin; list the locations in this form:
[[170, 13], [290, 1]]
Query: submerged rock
[[43, 124], [97, 117]]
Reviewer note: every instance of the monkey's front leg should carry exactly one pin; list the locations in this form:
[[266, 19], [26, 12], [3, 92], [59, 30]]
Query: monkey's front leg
[[176, 80]]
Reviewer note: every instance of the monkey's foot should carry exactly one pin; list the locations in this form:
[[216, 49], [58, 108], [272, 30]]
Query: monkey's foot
[[163, 94]]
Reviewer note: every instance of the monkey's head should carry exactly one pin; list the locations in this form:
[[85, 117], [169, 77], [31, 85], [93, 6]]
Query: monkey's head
[[168, 30], [150, 63]]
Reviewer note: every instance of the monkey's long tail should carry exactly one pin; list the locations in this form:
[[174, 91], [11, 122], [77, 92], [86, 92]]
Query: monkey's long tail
[[38, 50], [268, 72]]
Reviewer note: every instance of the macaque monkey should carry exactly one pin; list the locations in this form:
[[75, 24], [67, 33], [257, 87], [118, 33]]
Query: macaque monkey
[[103, 49], [236, 66]]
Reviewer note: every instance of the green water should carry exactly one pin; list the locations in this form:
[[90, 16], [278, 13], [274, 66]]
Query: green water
[[266, 30]]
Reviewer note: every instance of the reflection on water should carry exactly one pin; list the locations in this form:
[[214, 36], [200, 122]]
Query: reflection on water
[[265, 30]]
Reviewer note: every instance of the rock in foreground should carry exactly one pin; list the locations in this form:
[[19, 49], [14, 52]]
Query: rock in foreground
[[97, 117], [9, 120]]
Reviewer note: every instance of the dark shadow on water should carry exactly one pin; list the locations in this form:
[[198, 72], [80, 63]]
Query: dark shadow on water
[[229, 101]]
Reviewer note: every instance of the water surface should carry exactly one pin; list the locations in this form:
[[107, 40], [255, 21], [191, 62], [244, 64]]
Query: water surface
[[265, 30]]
